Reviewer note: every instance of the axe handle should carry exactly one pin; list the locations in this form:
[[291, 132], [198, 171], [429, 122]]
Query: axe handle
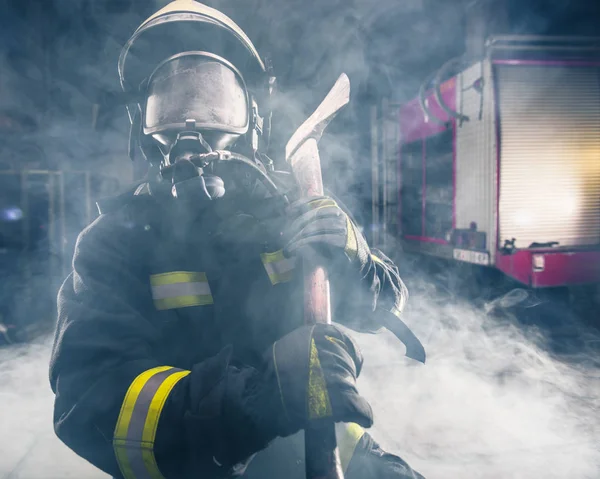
[[321, 453], [320, 444]]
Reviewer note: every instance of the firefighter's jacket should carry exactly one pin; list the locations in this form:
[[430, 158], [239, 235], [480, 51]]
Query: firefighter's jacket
[[154, 295]]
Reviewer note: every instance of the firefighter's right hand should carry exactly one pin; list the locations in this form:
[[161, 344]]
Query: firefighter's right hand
[[313, 370]]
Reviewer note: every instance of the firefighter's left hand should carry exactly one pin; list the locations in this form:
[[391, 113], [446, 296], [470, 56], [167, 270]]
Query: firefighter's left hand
[[318, 225]]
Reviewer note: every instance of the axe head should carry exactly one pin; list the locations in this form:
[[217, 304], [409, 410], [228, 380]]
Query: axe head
[[313, 127]]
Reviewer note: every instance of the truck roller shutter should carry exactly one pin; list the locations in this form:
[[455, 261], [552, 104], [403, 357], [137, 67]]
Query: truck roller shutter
[[549, 154]]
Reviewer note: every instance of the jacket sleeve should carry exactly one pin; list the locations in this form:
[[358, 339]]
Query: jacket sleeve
[[116, 405]]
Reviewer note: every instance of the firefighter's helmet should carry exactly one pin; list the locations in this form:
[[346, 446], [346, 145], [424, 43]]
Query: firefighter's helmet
[[192, 70]]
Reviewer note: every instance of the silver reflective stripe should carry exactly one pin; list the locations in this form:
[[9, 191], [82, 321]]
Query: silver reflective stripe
[[135, 431], [181, 289], [278, 267]]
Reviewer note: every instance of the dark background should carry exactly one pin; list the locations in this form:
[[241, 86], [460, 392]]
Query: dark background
[[59, 87], [58, 57]]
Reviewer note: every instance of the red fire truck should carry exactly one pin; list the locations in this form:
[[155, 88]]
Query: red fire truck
[[499, 164]]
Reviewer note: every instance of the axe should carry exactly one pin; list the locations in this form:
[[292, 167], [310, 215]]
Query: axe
[[302, 153]]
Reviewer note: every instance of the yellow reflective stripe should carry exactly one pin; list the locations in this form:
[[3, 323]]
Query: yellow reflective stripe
[[321, 203], [348, 435], [136, 426], [280, 278], [123, 462], [120, 443], [272, 257], [377, 259], [278, 267], [337, 341], [180, 289], [182, 302], [151, 424], [131, 398], [158, 402], [351, 248], [177, 277], [319, 405], [150, 463]]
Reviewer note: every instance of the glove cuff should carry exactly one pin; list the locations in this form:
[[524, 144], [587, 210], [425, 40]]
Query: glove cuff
[[251, 410], [357, 250]]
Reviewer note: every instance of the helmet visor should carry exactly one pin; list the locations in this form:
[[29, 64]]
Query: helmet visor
[[196, 86]]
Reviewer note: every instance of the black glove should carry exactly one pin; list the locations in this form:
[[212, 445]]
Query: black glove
[[313, 371], [319, 225], [308, 378]]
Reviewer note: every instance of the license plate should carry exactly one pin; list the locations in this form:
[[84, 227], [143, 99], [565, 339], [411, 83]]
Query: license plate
[[475, 257]]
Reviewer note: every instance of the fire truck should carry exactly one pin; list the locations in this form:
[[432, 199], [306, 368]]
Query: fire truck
[[496, 162]]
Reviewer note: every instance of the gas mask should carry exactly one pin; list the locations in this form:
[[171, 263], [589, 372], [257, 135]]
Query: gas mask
[[201, 96]]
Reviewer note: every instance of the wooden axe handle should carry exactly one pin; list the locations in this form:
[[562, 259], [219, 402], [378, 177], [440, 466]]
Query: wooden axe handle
[[321, 454], [302, 153]]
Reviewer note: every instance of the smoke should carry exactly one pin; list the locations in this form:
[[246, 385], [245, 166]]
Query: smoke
[[30, 450], [493, 400]]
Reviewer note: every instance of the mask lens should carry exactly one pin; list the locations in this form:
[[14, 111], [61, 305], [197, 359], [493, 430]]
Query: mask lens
[[198, 87]]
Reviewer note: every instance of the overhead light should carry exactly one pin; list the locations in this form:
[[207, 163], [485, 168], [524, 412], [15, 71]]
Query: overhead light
[[11, 213]]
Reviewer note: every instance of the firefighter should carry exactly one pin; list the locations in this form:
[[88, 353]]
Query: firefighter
[[180, 349]]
